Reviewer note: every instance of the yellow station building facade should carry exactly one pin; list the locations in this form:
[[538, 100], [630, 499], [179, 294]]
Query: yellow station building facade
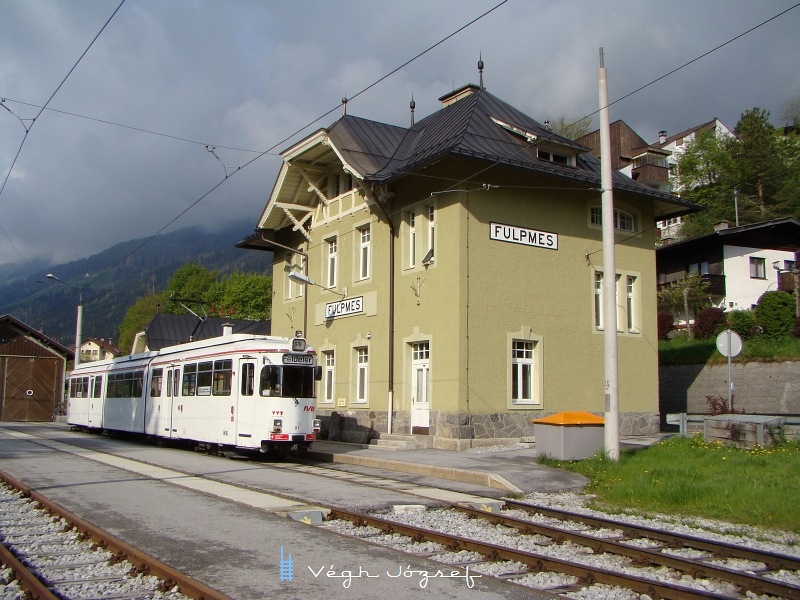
[[449, 274]]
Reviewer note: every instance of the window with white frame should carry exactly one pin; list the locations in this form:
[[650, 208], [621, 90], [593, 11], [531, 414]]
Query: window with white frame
[[623, 221], [431, 230], [328, 379], [758, 268], [630, 302], [522, 370], [332, 259], [362, 373], [365, 252], [412, 239], [627, 316]]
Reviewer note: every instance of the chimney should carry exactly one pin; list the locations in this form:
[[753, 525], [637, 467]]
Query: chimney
[[720, 225], [460, 93], [227, 329], [662, 136]]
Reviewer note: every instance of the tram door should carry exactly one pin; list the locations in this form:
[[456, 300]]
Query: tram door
[[96, 402], [170, 402], [420, 387], [245, 410]]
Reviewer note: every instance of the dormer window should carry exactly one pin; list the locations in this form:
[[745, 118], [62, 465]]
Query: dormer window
[[529, 137], [559, 159]]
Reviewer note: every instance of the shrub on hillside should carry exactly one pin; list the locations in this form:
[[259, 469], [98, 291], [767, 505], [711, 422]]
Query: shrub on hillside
[[775, 313], [743, 322], [666, 324], [707, 321]]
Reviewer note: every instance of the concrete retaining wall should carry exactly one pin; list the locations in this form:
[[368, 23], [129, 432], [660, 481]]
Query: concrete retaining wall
[[759, 388]]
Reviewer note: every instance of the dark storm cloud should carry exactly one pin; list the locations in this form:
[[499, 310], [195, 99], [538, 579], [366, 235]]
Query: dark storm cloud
[[247, 74]]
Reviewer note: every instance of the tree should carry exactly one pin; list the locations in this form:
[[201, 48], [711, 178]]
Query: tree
[[571, 128], [748, 178], [791, 112], [190, 284], [137, 318], [243, 296], [681, 292]]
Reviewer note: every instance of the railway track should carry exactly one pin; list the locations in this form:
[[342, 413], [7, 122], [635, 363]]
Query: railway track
[[572, 551], [56, 555]]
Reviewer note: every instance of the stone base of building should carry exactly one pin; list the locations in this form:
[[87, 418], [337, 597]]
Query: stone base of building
[[459, 431]]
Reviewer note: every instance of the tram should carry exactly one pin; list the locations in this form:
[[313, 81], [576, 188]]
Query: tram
[[240, 392]]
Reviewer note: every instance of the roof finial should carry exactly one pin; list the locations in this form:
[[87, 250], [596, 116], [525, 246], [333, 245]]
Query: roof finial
[[480, 68], [412, 105], [344, 105]]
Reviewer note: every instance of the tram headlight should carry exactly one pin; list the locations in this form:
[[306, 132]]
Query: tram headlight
[[317, 425], [277, 425]]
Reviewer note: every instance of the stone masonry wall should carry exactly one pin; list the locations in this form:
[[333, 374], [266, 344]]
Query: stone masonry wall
[[759, 388]]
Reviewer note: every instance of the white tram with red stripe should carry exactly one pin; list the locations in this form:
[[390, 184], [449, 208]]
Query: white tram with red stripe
[[236, 391]]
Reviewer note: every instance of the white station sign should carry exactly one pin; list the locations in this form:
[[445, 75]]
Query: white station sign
[[343, 308], [523, 235]]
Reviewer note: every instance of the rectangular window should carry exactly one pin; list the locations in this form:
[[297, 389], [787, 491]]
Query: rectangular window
[[758, 268], [362, 374], [204, 378], [98, 387], [364, 256], [431, 231], [169, 383], [223, 373], [598, 299], [189, 387], [332, 260], [155, 383], [630, 302], [412, 239], [522, 372], [248, 379], [698, 268], [328, 377]]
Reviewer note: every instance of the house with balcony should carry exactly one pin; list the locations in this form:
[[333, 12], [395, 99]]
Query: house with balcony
[[449, 274], [739, 264]]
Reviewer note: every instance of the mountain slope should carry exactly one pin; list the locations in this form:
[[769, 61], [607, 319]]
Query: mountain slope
[[129, 271]]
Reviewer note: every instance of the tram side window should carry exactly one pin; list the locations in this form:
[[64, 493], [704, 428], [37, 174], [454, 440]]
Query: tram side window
[[189, 380], [270, 381], [248, 378], [204, 378], [155, 383], [125, 385], [169, 383], [223, 373], [97, 390], [79, 387]]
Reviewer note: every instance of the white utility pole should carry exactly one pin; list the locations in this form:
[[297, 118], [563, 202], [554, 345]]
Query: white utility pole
[[611, 371]]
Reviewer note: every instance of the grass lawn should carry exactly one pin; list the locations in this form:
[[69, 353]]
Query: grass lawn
[[682, 350], [758, 486]]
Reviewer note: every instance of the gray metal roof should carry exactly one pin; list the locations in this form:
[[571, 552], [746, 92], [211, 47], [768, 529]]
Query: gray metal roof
[[381, 153], [170, 330]]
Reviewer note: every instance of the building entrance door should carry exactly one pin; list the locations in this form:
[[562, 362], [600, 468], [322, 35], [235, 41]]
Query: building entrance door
[[420, 387]]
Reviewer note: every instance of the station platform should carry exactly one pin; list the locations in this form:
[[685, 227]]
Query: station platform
[[514, 470]]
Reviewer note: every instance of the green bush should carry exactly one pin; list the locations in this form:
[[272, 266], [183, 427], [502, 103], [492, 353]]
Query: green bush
[[775, 313], [743, 322]]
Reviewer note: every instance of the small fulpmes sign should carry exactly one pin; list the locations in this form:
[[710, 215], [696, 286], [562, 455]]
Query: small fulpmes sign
[[523, 235], [343, 308]]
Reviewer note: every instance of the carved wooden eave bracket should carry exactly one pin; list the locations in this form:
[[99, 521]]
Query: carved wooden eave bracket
[[297, 224]]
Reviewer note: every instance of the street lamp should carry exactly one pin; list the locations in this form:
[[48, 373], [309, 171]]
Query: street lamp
[[79, 324]]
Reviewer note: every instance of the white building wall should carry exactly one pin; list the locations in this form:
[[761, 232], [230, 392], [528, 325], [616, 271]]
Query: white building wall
[[742, 290]]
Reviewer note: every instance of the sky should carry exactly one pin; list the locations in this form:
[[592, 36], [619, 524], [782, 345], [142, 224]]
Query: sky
[[176, 114]]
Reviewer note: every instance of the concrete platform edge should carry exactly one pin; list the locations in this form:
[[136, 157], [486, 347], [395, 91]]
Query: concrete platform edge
[[449, 473]]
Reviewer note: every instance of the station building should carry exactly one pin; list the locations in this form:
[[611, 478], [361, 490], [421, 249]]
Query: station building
[[449, 274]]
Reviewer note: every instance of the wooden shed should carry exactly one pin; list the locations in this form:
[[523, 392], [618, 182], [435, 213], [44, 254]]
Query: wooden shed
[[32, 368]]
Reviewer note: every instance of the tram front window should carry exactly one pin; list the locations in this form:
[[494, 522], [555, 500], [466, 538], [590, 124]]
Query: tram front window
[[289, 382]]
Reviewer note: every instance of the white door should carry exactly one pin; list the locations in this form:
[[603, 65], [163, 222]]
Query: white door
[[420, 387]]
